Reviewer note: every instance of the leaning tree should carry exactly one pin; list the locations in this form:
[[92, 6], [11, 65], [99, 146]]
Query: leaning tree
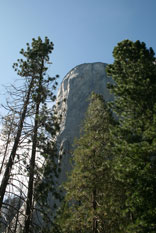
[[33, 149]]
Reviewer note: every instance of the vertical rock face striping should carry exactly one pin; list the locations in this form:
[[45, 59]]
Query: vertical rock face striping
[[75, 89]]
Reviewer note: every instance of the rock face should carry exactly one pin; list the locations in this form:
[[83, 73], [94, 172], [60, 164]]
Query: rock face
[[75, 89]]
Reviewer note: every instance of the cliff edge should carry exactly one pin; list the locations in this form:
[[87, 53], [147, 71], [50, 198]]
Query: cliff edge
[[72, 97]]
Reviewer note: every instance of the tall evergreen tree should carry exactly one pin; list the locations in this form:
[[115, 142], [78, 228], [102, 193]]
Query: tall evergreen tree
[[37, 128], [87, 189], [134, 75]]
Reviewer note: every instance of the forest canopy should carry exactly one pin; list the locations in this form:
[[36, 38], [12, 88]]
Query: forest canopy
[[111, 187]]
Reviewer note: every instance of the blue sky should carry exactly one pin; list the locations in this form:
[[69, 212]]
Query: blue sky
[[82, 30]]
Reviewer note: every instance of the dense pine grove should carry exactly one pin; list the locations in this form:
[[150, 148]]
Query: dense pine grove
[[113, 182], [112, 186]]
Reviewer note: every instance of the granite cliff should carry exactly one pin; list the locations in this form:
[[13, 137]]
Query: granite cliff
[[73, 95]]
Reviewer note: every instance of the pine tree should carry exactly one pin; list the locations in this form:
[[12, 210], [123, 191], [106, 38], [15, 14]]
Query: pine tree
[[134, 75], [34, 142], [87, 187]]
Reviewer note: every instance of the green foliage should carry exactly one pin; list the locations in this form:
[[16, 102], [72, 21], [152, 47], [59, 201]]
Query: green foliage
[[134, 75], [113, 183], [37, 126], [35, 55], [87, 189], [41, 180]]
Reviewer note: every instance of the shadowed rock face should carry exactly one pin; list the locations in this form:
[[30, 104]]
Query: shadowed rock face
[[75, 89]]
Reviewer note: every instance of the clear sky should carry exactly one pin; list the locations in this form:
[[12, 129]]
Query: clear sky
[[82, 30]]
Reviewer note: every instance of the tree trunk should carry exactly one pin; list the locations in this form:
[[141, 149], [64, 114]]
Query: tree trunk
[[15, 147], [5, 152], [29, 203], [7, 142], [94, 208]]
